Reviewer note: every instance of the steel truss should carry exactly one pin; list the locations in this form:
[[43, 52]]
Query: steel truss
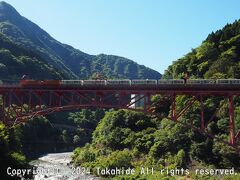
[[19, 105]]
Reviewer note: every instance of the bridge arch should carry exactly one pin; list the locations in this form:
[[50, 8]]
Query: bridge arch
[[18, 105]]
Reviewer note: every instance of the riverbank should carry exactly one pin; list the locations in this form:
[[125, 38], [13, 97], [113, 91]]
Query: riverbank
[[57, 166]]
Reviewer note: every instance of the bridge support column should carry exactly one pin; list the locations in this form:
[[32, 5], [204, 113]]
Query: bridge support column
[[231, 120], [145, 103], [2, 115], [174, 107], [148, 101], [202, 113]]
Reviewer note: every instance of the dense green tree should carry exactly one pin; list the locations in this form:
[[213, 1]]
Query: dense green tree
[[10, 156]]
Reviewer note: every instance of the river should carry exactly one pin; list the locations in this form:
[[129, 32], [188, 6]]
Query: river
[[56, 166]]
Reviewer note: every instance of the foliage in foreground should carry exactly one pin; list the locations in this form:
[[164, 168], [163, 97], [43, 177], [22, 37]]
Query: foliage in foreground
[[10, 152], [133, 140], [217, 57]]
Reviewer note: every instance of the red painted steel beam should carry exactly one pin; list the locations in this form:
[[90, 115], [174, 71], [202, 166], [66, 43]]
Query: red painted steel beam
[[231, 121], [55, 100], [215, 113], [188, 105], [174, 117], [202, 113], [139, 98]]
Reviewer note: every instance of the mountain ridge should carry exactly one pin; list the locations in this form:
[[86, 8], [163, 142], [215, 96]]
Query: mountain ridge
[[72, 62]]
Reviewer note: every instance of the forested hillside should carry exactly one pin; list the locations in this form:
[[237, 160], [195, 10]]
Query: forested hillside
[[72, 63], [131, 139], [15, 61], [217, 57]]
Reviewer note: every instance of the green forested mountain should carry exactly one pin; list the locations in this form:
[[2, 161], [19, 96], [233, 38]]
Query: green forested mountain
[[16, 61], [133, 139], [61, 57], [217, 57]]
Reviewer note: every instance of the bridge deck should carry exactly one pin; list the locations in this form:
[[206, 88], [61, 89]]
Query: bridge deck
[[46, 99], [153, 89]]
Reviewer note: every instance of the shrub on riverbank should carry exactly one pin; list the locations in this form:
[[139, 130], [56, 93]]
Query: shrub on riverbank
[[10, 156], [131, 139]]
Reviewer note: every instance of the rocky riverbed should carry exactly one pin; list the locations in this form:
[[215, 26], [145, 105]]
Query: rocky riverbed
[[56, 166]]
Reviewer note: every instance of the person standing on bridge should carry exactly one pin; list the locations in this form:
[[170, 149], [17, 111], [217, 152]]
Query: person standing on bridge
[[185, 77]]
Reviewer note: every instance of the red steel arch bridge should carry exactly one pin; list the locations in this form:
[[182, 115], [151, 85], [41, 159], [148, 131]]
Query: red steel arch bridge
[[18, 103]]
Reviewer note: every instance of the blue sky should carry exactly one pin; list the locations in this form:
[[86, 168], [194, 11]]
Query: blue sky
[[151, 32]]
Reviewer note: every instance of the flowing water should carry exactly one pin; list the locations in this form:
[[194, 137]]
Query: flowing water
[[56, 166]]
